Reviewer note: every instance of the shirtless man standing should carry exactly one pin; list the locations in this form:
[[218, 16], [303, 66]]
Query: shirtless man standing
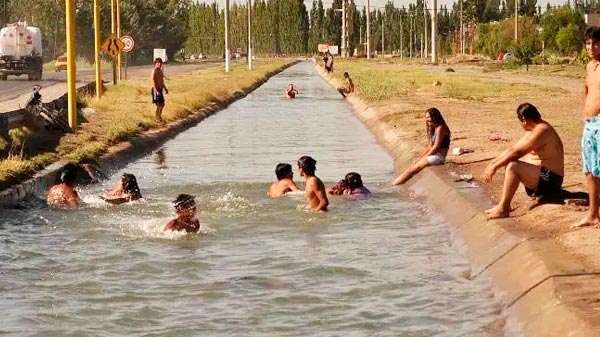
[[158, 85], [590, 140], [316, 196], [284, 181], [536, 160]]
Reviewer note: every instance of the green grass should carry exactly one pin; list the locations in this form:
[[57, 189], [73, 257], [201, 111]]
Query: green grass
[[379, 81]]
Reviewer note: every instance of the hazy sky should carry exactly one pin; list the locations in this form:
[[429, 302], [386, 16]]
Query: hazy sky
[[381, 3]]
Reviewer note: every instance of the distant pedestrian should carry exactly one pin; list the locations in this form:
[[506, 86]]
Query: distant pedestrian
[[348, 86], [328, 61], [158, 85]]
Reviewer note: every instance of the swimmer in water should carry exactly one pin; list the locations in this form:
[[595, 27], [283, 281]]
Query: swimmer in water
[[63, 194], [284, 183], [125, 190], [291, 92], [185, 215], [351, 186], [316, 196]]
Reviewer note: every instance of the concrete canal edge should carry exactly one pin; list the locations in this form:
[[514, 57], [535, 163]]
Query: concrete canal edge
[[125, 152], [543, 290]]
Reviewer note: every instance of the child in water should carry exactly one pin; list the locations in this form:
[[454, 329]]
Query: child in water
[[351, 186], [291, 92], [125, 190], [185, 215]]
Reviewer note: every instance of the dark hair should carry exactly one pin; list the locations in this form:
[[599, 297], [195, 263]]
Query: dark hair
[[68, 174], [436, 120], [130, 185], [353, 180], [592, 33], [184, 201], [283, 170], [346, 74], [528, 112], [158, 59], [307, 163]]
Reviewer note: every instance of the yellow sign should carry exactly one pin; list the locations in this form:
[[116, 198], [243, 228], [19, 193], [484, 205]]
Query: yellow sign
[[113, 46]]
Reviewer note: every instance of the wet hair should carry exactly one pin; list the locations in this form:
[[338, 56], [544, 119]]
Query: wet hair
[[592, 33], [130, 185], [528, 112], [353, 180], [436, 120], [283, 170], [68, 174], [184, 201], [158, 60], [308, 164], [346, 74]]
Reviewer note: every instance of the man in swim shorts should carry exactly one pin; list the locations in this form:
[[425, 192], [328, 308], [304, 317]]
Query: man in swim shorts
[[590, 140], [158, 86], [536, 160], [63, 194], [284, 181], [348, 86], [185, 215], [316, 196]]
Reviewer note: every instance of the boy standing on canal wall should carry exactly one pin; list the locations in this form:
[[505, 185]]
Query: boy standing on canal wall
[[158, 84], [590, 140], [316, 196]]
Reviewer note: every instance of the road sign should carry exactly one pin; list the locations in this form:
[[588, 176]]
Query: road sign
[[113, 46], [128, 42], [160, 53], [323, 47]]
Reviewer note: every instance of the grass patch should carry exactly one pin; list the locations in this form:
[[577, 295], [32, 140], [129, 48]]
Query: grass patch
[[125, 111], [379, 81]]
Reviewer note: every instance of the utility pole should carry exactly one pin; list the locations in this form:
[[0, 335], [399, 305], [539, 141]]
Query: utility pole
[[71, 92], [382, 38], [401, 38], [249, 55], [97, 59], [516, 20], [462, 34], [410, 43], [434, 33], [425, 27], [344, 28], [120, 55], [113, 30], [368, 29], [226, 35]]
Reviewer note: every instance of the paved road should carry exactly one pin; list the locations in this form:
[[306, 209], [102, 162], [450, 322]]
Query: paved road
[[15, 91]]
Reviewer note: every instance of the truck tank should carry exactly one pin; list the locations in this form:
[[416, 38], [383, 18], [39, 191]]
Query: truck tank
[[20, 51]]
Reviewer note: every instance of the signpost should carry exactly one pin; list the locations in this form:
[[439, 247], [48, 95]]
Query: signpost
[[162, 53], [128, 43], [113, 47]]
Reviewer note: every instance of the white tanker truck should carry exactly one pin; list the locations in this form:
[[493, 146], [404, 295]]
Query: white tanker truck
[[21, 51]]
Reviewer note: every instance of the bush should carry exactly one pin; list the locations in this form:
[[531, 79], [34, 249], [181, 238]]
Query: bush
[[583, 57], [540, 59], [569, 39]]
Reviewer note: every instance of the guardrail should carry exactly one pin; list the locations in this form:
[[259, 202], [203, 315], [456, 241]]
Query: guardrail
[[19, 118]]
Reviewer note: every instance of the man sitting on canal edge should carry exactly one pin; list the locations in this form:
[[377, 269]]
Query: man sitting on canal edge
[[348, 86], [536, 160]]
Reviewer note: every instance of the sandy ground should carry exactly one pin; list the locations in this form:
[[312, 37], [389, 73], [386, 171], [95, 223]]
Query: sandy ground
[[473, 122]]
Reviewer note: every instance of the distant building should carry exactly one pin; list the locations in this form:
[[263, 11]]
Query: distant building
[[592, 19]]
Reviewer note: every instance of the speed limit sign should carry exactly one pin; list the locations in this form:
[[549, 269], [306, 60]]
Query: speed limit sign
[[128, 42]]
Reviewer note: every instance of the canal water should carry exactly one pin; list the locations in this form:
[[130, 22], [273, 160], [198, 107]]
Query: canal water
[[260, 267]]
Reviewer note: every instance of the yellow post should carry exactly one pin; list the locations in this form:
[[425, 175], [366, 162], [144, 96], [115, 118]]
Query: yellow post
[[113, 29], [97, 49], [119, 57], [71, 92]]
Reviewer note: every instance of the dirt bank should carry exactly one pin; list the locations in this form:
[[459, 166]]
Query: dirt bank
[[546, 275]]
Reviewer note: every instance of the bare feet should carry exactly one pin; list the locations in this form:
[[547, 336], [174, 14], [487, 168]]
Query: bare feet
[[496, 212], [585, 222]]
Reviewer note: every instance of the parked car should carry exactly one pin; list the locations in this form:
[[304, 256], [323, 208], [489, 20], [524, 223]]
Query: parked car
[[60, 63]]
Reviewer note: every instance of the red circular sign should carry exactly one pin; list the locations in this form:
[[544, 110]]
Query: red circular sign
[[128, 42]]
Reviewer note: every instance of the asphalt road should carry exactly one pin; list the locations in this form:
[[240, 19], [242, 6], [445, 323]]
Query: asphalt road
[[17, 86]]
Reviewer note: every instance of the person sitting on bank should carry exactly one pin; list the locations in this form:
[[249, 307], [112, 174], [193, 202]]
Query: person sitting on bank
[[351, 186], [284, 183], [438, 143], [536, 160], [291, 92], [316, 195], [348, 87], [63, 194], [125, 190], [185, 215]]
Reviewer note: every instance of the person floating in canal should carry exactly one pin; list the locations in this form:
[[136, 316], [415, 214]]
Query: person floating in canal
[[284, 183], [125, 190], [351, 186], [316, 196], [438, 143], [291, 92], [348, 87], [63, 194], [185, 215]]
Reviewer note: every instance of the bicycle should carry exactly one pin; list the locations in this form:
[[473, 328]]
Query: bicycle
[[53, 118]]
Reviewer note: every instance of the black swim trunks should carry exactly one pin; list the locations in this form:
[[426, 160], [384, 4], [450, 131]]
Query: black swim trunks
[[157, 97], [548, 184]]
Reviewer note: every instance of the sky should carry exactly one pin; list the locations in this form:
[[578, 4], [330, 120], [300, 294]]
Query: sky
[[381, 3]]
